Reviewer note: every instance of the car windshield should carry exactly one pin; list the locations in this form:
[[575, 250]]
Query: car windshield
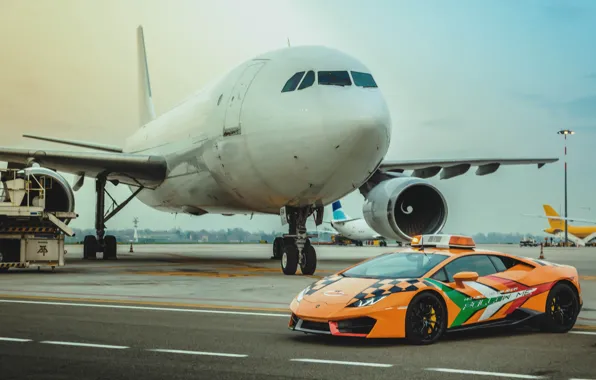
[[397, 265]]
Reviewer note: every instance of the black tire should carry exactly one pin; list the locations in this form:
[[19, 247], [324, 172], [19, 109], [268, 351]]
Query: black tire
[[89, 247], [110, 249], [425, 309], [278, 248], [309, 265], [562, 309], [289, 260]]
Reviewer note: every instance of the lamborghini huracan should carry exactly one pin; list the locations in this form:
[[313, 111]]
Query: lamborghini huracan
[[442, 283]]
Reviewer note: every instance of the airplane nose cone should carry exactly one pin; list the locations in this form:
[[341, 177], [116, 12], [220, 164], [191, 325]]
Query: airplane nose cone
[[360, 126], [329, 149]]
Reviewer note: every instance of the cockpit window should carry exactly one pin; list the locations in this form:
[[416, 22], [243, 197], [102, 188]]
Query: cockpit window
[[309, 80], [363, 79], [292, 83], [334, 78]]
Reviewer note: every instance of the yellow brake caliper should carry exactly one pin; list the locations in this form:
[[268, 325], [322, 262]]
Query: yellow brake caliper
[[433, 320]]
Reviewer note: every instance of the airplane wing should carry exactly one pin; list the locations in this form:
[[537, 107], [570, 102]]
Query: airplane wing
[[562, 218], [453, 168], [131, 169], [342, 222]]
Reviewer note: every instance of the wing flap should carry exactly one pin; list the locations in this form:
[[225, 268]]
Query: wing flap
[[455, 167], [132, 169]]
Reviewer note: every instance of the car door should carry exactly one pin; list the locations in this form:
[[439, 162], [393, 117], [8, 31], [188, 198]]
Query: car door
[[478, 300]]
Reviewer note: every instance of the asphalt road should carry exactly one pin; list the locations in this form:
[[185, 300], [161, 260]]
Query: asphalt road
[[62, 341]]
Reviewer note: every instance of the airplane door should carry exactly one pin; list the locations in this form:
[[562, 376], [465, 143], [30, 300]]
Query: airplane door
[[232, 120]]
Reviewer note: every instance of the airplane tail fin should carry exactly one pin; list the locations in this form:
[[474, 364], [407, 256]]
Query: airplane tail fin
[[338, 212], [147, 110], [554, 223]]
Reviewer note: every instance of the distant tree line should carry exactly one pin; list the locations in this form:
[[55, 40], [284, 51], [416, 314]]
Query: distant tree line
[[239, 235]]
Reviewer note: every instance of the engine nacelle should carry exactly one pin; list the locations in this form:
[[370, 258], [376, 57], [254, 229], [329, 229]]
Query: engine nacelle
[[59, 196], [403, 207]]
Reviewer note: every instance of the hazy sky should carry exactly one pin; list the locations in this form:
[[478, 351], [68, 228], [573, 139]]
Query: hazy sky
[[463, 79]]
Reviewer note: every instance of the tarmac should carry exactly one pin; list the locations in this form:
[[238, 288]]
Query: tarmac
[[221, 312]]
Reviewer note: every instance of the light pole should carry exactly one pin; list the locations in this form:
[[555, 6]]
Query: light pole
[[566, 132]]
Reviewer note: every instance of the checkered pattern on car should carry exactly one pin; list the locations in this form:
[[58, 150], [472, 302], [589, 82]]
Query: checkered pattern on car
[[386, 287], [322, 283]]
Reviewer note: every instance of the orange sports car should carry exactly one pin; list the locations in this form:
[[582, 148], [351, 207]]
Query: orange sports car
[[442, 283]]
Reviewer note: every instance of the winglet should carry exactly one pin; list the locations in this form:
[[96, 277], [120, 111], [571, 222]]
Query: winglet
[[147, 110]]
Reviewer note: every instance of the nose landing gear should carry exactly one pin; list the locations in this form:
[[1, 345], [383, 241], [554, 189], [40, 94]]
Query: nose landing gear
[[295, 248]]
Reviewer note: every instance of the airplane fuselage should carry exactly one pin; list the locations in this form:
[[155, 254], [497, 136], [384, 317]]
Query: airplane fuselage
[[242, 145], [356, 229], [581, 232]]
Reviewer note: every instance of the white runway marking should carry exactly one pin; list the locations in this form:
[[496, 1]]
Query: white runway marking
[[198, 353], [15, 340], [82, 344], [148, 308], [483, 373], [343, 363], [583, 332]]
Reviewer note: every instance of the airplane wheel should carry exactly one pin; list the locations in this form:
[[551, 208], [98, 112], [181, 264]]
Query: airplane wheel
[[426, 319], [562, 309], [89, 247], [278, 247], [289, 260], [110, 251], [310, 260]]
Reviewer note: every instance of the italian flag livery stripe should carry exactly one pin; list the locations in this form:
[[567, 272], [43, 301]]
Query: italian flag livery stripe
[[491, 300]]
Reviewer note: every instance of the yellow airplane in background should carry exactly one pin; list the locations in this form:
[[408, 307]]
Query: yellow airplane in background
[[580, 235]]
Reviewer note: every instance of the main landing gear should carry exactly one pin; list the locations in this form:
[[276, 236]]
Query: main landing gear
[[295, 248], [100, 243]]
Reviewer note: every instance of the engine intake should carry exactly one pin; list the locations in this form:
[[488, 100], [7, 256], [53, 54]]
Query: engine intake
[[59, 196], [401, 208]]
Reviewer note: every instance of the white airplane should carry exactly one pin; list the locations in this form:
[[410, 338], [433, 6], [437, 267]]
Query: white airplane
[[355, 229], [287, 132]]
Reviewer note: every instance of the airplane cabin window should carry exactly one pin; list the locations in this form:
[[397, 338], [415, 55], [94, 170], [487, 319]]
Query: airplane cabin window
[[334, 78], [309, 80], [292, 83], [363, 79]]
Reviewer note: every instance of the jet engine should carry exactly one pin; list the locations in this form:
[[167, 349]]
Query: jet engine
[[59, 196], [403, 207]]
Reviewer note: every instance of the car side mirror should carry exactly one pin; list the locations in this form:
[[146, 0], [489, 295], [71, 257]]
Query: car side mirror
[[465, 276]]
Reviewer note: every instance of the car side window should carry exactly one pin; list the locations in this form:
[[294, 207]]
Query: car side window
[[441, 275], [503, 263], [498, 262], [480, 264]]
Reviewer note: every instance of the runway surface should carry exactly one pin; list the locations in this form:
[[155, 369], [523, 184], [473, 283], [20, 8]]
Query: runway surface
[[220, 312]]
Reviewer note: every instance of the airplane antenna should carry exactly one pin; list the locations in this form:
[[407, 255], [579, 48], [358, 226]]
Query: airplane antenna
[[148, 113]]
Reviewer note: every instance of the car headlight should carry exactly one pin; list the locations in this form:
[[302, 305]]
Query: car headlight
[[368, 301]]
